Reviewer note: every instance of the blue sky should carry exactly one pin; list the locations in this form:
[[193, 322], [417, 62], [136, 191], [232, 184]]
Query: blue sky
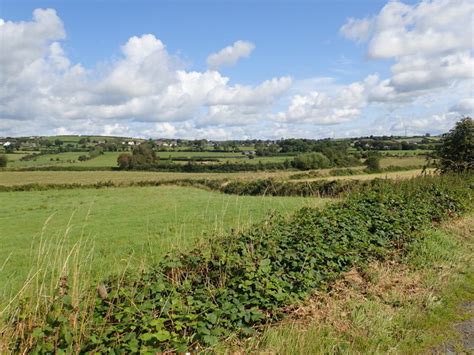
[[298, 38], [301, 40]]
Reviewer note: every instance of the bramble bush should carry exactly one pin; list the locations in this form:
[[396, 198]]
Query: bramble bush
[[245, 280]]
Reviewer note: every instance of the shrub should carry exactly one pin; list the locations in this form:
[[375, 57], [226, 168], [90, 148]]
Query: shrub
[[372, 162], [3, 161], [309, 161]]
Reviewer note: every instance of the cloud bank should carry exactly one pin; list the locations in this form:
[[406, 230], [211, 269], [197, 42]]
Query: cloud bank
[[149, 92]]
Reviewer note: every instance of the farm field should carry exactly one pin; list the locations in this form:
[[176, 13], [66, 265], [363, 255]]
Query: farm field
[[10, 178], [140, 223], [405, 152], [385, 175], [402, 161], [109, 159]]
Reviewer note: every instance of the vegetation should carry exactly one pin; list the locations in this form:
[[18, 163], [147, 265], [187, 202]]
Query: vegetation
[[373, 162], [140, 222], [456, 151], [309, 161], [243, 280], [405, 305], [124, 245], [3, 161]]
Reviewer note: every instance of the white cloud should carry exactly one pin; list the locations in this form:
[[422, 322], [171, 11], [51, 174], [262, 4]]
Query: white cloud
[[430, 28], [430, 44], [147, 91], [229, 55], [146, 84], [357, 29], [320, 108], [464, 106]]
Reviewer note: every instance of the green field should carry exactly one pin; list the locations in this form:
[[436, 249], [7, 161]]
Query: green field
[[109, 159], [140, 223], [402, 161], [405, 152]]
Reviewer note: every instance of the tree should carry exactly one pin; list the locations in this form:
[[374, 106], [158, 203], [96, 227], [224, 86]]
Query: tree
[[373, 162], [124, 161], [308, 161], [3, 161], [456, 151]]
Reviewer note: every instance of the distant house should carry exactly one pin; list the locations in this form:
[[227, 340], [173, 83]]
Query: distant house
[[249, 152], [131, 143], [165, 143], [7, 144]]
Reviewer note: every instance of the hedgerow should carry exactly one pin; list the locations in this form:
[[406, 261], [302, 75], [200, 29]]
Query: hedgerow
[[321, 188], [242, 281]]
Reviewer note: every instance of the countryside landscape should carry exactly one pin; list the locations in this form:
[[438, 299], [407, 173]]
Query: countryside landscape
[[149, 205]]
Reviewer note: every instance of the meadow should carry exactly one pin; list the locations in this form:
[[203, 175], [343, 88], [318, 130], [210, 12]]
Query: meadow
[[136, 223], [109, 159]]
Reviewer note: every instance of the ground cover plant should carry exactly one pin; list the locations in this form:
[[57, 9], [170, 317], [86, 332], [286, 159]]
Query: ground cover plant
[[407, 304], [244, 280]]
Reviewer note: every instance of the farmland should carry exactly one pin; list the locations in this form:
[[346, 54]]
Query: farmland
[[164, 217], [237, 230]]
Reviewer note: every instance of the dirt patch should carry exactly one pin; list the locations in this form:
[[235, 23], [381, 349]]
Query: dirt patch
[[465, 330]]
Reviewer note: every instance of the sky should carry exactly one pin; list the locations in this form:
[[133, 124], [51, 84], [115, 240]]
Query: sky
[[235, 69]]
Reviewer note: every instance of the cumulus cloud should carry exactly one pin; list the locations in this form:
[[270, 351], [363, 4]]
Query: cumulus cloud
[[357, 29], [321, 108], [148, 91], [146, 84], [430, 44], [229, 55]]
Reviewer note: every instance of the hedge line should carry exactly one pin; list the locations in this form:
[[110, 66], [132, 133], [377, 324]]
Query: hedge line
[[245, 280], [269, 187]]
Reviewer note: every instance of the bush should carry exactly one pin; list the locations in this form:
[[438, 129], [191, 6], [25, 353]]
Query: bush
[[3, 161], [372, 162], [309, 161]]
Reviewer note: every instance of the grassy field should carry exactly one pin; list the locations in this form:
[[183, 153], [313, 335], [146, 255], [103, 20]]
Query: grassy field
[[10, 178], [109, 159], [402, 161], [141, 223], [386, 175], [405, 152]]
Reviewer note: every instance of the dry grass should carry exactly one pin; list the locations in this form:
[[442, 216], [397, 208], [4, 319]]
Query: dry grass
[[10, 178]]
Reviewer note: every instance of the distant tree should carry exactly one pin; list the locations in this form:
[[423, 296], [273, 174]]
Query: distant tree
[[3, 161], [58, 142], [308, 161], [124, 161], [373, 162], [456, 151]]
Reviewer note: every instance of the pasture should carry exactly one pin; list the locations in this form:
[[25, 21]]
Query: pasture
[[12, 178], [119, 225]]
